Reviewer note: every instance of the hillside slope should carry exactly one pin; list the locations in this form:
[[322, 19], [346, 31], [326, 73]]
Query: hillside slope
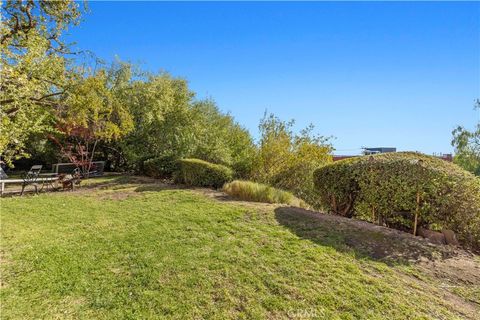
[[126, 247]]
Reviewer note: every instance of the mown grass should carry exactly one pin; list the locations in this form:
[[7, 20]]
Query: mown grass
[[126, 253], [258, 192]]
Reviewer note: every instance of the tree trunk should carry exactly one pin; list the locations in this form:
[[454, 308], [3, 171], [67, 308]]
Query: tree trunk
[[90, 160]]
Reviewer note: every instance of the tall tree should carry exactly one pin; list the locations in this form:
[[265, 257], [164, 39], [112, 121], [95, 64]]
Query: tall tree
[[159, 105], [35, 70], [287, 160], [169, 121], [467, 146], [92, 111], [219, 139]]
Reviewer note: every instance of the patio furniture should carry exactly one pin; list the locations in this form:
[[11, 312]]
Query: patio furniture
[[47, 180], [3, 175], [31, 177], [70, 180], [3, 182], [66, 168]]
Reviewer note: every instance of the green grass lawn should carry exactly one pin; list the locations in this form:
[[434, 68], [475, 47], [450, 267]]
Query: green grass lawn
[[122, 249]]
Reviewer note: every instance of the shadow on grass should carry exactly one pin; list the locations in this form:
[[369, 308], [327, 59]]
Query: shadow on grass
[[364, 239]]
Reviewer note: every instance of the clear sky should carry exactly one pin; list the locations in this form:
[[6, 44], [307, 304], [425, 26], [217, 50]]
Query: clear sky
[[370, 74]]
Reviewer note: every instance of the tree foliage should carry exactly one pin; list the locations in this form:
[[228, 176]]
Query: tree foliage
[[467, 146], [169, 121], [287, 160], [34, 68], [91, 112]]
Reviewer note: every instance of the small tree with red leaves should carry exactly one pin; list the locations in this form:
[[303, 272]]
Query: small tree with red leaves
[[78, 147], [91, 113]]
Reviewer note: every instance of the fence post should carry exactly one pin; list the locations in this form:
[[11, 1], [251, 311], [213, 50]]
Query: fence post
[[416, 214]]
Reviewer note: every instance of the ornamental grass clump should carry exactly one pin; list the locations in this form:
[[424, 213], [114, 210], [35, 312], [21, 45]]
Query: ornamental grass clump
[[257, 192]]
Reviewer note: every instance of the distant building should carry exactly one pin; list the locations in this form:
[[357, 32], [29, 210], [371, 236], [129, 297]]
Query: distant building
[[446, 156], [366, 151], [369, 151]]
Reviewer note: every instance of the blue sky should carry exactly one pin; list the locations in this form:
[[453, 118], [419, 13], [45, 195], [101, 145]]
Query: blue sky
[[370, 74]]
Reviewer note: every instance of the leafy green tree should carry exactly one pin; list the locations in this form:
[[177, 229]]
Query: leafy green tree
[[34, 69], [287, 160], [219, 139], [467, 146], [159, 105], [170, 122], [91, 112]]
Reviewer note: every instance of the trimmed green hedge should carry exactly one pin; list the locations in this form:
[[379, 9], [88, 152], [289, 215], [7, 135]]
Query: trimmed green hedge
[[139, 164], [196, 172], [394, 189], [161, 167]]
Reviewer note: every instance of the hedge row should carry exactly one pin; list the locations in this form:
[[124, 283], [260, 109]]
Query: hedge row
[[403, 191], [162, 167], [195, 172]]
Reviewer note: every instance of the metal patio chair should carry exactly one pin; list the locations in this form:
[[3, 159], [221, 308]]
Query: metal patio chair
[[31, 177]]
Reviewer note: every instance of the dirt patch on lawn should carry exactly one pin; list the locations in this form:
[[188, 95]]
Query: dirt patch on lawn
[[121, 187], [118, 195]]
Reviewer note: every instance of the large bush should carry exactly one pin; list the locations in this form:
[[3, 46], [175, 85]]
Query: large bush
[[196, 172], [161, 167], [397, 189], [258, 192], [336, 187]]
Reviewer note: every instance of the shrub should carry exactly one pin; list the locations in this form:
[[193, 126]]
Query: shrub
[[252, 191], [139, 164], [196, 172], [336, 188], [398, 189], [161, 167]]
